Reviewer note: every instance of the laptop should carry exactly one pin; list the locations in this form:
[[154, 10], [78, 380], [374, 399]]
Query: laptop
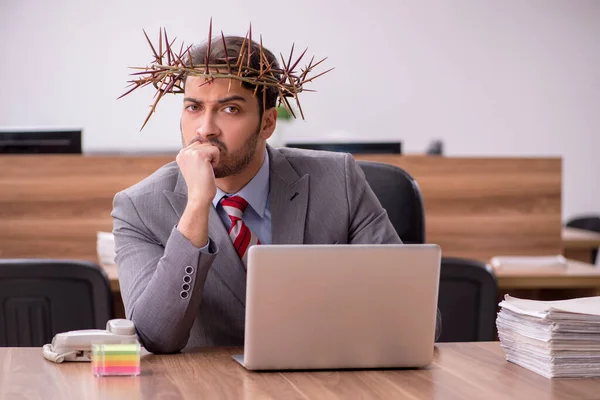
[[340, 306]]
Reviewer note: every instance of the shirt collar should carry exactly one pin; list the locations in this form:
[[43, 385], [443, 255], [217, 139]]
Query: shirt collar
[[256, 192]]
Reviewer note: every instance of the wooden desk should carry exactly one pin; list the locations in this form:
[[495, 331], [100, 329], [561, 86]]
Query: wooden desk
[[113, 277], [578, 280], [579, 243], [459, 371], [578, 275]]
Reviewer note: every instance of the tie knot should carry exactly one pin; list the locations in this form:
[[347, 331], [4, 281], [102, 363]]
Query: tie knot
[[234, 206]]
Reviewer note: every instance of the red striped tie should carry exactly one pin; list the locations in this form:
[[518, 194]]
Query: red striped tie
[[241, 236]]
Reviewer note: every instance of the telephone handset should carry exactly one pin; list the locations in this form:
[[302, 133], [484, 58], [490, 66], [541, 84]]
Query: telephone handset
[[77, 345]]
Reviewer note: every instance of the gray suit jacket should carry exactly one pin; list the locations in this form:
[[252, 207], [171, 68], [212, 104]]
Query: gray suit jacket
[[315, 197]]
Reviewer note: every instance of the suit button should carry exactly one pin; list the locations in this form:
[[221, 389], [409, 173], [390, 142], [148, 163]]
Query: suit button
[[187, 279], [184, 294], [189, 270]]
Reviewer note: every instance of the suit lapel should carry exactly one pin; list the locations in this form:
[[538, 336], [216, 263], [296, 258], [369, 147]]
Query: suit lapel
[[227, 265], [178, 197], [289, 200]]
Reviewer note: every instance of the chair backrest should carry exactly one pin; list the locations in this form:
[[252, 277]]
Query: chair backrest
[[590, 223], [400, 196], [467, 301], [40, 298]]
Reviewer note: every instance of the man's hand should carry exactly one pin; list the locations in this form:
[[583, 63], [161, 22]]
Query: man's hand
[[196, 163]]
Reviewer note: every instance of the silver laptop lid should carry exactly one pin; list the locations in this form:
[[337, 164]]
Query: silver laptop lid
[[341, 306]]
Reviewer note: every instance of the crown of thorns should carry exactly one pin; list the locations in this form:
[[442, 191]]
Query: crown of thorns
[[169, 69]]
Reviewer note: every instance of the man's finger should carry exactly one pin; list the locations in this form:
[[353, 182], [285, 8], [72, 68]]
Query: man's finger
[[206, 151]]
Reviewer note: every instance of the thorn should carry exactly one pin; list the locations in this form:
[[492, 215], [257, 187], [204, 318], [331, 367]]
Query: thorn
[[226, 56], [207, 54]]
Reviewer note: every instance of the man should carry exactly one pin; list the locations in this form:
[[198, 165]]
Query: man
[[182, 275]]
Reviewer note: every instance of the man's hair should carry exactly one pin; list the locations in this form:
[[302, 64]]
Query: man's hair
[[234, 45]]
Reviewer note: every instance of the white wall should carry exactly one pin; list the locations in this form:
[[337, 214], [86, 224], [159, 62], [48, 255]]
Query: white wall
[[505, 78]]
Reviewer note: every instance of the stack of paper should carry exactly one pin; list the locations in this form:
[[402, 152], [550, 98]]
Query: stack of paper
[[105, 247], [553, 338]]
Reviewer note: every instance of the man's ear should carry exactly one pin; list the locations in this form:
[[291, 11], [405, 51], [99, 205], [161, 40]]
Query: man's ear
[[268, 123]]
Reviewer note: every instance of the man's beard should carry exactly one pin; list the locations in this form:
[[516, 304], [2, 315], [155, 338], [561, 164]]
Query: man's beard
[[233, 163]]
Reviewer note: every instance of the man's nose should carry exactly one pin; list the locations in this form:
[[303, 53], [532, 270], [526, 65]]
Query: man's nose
[[208, 128]]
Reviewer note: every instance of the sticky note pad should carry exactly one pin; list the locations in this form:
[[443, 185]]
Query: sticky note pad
[[116, 359]]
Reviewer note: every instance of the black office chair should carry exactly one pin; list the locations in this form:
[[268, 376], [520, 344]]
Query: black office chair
[[400, 196], [467, 301], [40, 298], [587, 222]]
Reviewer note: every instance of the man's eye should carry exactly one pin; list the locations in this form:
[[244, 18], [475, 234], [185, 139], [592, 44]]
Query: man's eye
[[192, 108], [231, 110]]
